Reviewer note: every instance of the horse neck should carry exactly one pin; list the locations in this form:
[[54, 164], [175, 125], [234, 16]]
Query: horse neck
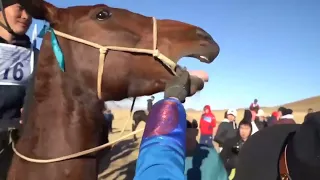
[[64, 117]]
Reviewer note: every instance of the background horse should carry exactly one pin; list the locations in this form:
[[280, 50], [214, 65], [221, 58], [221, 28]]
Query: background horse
[[63, 112]]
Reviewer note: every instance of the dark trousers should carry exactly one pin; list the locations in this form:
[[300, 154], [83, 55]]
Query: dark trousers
[[110, 125], [206, 139], [6, 154]]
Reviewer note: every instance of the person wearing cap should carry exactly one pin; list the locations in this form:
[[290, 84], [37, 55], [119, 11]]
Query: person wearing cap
[[202, 162], [227, 128], [17, 60], [286, 152], [261, 120]]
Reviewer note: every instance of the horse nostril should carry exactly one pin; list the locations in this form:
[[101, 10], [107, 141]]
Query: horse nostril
[[203, 34]]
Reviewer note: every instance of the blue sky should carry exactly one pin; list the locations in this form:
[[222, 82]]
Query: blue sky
[[269, 48]]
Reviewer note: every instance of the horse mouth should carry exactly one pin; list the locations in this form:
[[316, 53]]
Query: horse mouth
[[205, 55], [202, 58]]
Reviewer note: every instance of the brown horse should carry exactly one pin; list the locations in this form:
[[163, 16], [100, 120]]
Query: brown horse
[[63, 114]]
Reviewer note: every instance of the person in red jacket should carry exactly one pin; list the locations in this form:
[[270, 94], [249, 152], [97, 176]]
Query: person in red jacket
[[207, 125]]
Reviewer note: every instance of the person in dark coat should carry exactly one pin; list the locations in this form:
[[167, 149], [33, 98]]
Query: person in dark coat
[[273, 118], [260, 120], [232, 147], [108, 115], [287, 151], [247, 115], [287, 117], [16, 68], [150, 103], [227, 128]]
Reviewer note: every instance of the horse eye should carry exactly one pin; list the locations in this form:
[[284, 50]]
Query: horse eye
[[102, 15]]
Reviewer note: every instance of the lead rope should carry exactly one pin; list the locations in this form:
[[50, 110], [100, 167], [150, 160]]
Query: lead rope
[[103, 51]]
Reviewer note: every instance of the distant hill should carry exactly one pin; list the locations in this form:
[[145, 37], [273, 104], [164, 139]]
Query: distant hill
[[297, 106], [304, 104]]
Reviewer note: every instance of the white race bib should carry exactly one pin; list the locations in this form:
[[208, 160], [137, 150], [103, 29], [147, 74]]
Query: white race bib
[[16, 64]]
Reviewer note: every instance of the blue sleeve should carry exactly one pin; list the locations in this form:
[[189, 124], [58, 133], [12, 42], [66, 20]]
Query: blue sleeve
[[162, 149]]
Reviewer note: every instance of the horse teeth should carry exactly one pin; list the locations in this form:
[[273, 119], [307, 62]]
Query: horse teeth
[[203, 57]]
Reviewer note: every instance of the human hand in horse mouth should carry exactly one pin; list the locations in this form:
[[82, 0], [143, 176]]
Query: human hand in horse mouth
[[179, 86], [200, 74], [197, 79], [182, 85]]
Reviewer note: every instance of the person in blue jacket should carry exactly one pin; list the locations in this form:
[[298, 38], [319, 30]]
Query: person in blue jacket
[[163, 145]]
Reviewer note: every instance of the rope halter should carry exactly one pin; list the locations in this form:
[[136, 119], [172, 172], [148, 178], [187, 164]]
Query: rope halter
[[103, 50]]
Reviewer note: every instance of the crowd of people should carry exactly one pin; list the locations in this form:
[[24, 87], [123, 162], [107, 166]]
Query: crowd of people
[[231, 137], [203, 160]]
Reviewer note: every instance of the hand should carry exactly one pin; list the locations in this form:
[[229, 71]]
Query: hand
[[179, 86], [200, 74]]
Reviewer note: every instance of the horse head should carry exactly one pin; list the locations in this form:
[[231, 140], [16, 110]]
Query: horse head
[[125, 74]]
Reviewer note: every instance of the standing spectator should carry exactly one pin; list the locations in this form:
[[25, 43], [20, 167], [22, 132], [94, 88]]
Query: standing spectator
[[109, 118], [227, 128], [288, 151], [287, 116], [280, 111], [247, 116], [150, 103], [310, 110], [261, 121], [232, 147], [207, 124], [254, 106], [202, 162], [273, 118]]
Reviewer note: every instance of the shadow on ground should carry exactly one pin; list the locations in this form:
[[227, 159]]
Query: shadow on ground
[[117, 164]]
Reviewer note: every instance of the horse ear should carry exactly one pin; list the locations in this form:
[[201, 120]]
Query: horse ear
[[40, 9]]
